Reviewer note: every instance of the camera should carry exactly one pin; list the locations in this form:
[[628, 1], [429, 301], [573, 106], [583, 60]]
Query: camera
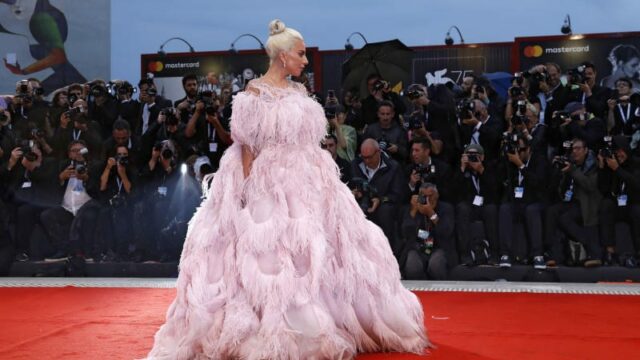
[[559, 118], [380, 85], [170, 116], [368, 192], [38, 91], [509, 143], [80, 167], [516, 91], [98, 90], [473, 157], [152, 91], [576, 75], [519, 117], [414, 122], [425, 172], [37, 133], [206, 96], [3, 117], [562, 161], [607, 151], [383, 142], [422, 199], [74, 110], [331, 94], [414, 94], [72, 99], [465, 109], [117, 200], [24, 87], [122, 160], [330, 111], [26, 146]]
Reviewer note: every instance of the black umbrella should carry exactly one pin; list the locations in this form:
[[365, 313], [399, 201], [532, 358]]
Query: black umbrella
[[389, 59]]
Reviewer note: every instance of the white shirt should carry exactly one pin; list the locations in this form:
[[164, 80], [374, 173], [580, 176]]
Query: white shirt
[[74, 196], [145, 116]]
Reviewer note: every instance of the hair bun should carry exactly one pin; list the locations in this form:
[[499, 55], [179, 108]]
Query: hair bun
[[276, 27]]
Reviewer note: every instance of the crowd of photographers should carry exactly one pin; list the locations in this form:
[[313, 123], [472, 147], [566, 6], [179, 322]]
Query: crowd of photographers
[[545, 175], [99, 174]]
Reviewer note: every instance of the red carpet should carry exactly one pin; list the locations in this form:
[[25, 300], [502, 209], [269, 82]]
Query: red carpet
[[102, 323]]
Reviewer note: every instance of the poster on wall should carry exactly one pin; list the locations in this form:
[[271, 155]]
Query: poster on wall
[[215, 70], [614, 55], [58, 42]]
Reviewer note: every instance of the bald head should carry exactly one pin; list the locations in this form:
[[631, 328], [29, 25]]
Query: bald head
[[369, 145], [370, 153]]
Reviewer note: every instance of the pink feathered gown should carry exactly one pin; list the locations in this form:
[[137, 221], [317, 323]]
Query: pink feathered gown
[[284, 264]]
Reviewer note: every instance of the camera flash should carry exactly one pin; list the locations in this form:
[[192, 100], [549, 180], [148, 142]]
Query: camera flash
[[183, 169]]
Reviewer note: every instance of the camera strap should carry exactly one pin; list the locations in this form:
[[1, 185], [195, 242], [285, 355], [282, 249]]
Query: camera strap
[[584, 98], [119, 182], [622, 115], [476, 183]]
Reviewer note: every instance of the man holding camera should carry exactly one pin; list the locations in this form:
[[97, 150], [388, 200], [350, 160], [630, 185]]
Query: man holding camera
[[548, 88], [619, 181], [427, 227], [150, 105], [187, 105], [576, 214], [383, 175], [427, 169], [126, 106], [121, 136], [21, 105], [391, 137], [586, 91], [75, 124], [526, 122], [167, 127], [478, 127], [578, 123], [27, 177], [623, 117], [523, 199], [102, 107], [330, 143], [379, 91], [478, 190], [207, 131], [344, 134], [71, 226]]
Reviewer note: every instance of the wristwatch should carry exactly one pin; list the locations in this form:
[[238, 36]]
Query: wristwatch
[[434, 217]]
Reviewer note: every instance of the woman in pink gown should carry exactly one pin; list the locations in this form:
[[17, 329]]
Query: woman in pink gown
[[279, 261]]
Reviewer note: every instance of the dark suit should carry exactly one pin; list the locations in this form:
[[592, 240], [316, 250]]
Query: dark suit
[[490, 134], [154, 110]]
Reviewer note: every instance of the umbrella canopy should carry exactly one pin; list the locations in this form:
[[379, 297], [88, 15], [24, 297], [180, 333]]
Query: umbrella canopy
[[389, 59], [501, 82]]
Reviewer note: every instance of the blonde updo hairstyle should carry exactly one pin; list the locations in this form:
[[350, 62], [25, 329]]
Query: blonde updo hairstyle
[[281, 38]]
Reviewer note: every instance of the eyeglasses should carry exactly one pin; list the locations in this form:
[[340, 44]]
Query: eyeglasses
[[122, 154], [369, 156]]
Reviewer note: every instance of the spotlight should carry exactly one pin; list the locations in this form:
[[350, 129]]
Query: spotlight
[[348, 46], [161, 51], [448, 40], [566, 27], [232, 48]]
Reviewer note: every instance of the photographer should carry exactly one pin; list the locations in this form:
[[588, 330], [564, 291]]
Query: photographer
[[150, 105], [623, 117], [126, 106], [161, 177], [478, 188], [576, 214], [330, 144], [207, 132], [431, 114], [585, 90], [380, 91], [28, 179], [8, 139], [344, 134], [619, 181], [390, 136], [353, 110], [116, 190], [75, 124], [478, 127], [426, 169], [21, 105], [518, 93], [584, 125], [71, 226], [429, 250], [523, 199], [525, 121], [167, 127], [121, 136], [547, 86], [187, 105], [384, 175], [102, 107]]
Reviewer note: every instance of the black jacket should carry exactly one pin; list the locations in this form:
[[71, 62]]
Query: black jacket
[[490, 137], [159, 104], [534, 180], [388, 180], [394, 135], [610, 182], [489, 184], [438, 173]]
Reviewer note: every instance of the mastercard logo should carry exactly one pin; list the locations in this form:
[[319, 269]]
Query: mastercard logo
[[155, 66], [533, 51]]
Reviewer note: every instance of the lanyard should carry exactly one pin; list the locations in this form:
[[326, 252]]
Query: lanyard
[[211, 131], [476, 183], [520, 176], [119, 182], [625, 118], [584, 98], [76, 136]]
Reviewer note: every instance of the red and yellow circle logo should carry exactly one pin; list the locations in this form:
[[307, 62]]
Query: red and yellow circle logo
[[533, 51], [155, 66]]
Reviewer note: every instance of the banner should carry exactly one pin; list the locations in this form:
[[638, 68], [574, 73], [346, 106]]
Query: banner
[[59, 42], [213, 69], [614, 55]]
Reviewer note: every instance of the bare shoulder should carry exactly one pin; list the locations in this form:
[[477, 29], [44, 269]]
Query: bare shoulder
[[253, 87]]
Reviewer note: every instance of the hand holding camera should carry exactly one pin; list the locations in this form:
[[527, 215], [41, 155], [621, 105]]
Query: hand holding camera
[[67, 173], [415, 178]]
